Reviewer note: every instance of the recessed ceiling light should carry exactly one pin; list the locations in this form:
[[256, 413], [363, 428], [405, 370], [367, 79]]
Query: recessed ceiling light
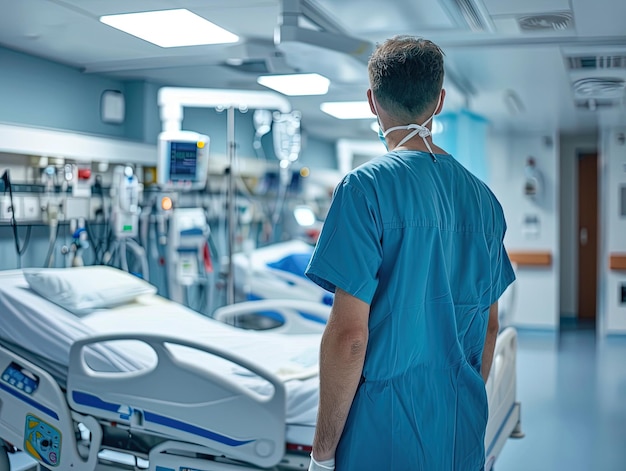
[[170, 28], [348, 109], [296, 84]]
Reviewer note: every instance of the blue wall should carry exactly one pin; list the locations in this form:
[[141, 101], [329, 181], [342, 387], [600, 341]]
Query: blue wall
[[41, 93], [142, 122]]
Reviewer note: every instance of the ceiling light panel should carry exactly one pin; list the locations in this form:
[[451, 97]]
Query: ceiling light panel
[[348, 109], [170, 28], [296, 84]]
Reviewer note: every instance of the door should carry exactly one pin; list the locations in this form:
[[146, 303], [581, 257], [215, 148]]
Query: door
[[587, 235]]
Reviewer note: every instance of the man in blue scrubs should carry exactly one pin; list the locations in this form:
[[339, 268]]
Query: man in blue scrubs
[[413, 249]]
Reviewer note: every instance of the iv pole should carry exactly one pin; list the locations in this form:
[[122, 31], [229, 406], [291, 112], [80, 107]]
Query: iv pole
[[171, 102], [230, 198]]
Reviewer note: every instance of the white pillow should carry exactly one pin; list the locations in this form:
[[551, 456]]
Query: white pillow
[[83, 289]]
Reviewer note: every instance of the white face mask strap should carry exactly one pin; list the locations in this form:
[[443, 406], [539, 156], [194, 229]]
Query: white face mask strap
[[398, 128], [416, 130]]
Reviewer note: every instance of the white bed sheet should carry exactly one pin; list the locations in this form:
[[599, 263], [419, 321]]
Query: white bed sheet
[[48, 331]]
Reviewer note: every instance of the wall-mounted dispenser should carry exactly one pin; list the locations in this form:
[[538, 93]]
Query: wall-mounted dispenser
[[532, 179]]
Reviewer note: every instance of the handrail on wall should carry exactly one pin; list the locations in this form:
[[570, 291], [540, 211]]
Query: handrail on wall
[[531, 258], [617, 261]]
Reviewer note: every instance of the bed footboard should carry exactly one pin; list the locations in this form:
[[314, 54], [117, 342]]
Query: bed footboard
[[184, 402]]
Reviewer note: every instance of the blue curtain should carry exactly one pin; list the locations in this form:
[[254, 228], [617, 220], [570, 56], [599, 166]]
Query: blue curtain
[[464, 135]]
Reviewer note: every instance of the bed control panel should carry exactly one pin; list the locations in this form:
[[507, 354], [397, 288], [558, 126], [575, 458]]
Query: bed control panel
[[20, 378], [42, 441]]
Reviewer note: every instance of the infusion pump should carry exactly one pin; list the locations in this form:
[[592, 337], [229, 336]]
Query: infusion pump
[[183, 160]]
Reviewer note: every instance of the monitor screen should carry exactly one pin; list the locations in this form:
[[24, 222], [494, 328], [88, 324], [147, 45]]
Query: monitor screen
[[183, 160]]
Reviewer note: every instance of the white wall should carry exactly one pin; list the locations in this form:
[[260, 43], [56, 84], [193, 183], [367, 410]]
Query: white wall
[[570, 147], [613, 230], [537, 289]]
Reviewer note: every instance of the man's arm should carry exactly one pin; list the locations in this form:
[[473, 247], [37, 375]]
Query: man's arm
[[490, 340], [342, 356]]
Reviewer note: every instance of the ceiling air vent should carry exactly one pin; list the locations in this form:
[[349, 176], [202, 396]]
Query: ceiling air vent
[[594, 86], [557, 21], [597, 87], [597, 62]]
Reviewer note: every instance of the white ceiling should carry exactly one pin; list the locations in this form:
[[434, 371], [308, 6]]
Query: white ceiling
[[483, 68]]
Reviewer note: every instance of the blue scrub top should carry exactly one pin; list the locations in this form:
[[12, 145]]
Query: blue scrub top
[[422, 243]]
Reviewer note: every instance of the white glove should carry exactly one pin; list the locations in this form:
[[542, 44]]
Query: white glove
[[327, 465]]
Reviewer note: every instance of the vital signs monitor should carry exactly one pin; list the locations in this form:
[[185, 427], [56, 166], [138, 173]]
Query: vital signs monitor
[[183, 160]]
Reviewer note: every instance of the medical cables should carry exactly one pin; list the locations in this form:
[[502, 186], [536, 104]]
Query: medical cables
[[19, 250]]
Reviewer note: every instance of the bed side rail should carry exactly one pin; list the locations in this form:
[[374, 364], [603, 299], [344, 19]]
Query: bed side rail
[[299, 317], [185, 401]]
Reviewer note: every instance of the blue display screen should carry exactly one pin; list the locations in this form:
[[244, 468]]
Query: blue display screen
[[183, 160]]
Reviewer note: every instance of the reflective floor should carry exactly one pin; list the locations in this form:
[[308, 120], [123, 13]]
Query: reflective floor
[[573, 393]]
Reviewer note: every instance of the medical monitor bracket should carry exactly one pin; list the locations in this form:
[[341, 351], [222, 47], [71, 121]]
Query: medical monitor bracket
[[183, 160]]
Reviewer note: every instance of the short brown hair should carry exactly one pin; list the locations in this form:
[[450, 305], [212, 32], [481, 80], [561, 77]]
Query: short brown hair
[[406, 76]]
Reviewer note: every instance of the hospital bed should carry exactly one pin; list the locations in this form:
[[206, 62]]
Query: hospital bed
[[128, 380], [154, 393]]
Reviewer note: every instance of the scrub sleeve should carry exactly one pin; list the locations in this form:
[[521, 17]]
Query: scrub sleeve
[[348, 253]]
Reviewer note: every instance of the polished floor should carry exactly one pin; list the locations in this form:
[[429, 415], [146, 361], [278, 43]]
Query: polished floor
[[572, 388]]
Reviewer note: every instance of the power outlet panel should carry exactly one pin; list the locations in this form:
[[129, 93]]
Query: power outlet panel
[[31, 208], [6, 208]]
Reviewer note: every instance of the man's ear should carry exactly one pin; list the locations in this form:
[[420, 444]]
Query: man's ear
[[370, 100], [443, 98]]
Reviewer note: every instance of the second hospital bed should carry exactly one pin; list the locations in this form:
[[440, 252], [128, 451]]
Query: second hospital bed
[[227, 399]]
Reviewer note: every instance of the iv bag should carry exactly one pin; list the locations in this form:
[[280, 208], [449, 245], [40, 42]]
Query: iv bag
[[286, 131]]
